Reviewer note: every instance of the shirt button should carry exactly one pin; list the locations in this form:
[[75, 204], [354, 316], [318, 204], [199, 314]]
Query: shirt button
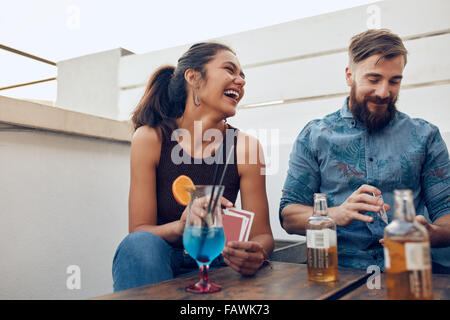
[[370, 159]]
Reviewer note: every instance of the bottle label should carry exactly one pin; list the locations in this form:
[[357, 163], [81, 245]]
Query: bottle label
[[387, 259], [417, 255], [321, 239]]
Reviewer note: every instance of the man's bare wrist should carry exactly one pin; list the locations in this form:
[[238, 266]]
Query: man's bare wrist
[[331, 212]]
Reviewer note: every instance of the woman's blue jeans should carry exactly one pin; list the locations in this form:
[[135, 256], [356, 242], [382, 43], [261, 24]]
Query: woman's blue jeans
[[144, 258]]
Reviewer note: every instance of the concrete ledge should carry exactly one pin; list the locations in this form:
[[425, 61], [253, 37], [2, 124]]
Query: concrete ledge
[[40, 116]]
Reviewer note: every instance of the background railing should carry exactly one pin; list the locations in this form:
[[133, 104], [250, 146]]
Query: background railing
[[30, 56]]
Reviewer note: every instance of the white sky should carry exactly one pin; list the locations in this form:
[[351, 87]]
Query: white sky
[[61, 29]]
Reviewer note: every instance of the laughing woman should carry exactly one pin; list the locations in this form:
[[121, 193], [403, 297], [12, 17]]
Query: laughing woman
[[200, 93]]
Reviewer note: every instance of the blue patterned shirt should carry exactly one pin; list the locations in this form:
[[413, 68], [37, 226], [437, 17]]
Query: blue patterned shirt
[[336, 155]]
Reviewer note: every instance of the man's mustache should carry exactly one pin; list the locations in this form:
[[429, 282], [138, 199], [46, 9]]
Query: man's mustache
[[378, 100]]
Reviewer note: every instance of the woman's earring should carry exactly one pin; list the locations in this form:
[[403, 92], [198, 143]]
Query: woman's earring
[[196, 100]]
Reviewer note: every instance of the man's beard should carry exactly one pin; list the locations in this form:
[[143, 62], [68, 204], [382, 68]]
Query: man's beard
[[372, 121]]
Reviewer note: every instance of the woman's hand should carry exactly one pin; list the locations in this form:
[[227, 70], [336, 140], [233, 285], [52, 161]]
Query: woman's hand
[[244, 257], [198, 212]]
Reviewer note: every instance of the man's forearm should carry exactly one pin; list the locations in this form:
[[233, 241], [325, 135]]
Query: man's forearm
[[440, 234], [295, 216]]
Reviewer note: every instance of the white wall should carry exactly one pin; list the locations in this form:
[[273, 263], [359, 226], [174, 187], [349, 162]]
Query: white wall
[[63, 202], [89, 84]]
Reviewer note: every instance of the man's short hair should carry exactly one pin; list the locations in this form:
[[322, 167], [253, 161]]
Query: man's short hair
[[376, 41]]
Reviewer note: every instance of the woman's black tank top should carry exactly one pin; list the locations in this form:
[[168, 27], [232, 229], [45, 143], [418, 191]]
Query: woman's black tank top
[[201, 171]]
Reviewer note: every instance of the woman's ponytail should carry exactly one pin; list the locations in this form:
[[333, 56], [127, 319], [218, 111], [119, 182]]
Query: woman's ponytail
[[155, 107]]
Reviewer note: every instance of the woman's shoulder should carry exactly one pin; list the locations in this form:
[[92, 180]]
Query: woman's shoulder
[[146, 134], [146, 141], [246, 138], [249, 149]]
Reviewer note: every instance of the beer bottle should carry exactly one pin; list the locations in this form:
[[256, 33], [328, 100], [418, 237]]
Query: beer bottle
[[407, 252], [321, 243]]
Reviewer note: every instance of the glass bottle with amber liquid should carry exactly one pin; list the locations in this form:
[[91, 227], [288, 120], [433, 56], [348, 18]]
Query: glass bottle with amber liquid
[[407, 256], [321, 243]]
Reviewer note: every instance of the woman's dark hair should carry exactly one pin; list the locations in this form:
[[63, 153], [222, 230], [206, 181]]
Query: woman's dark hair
[[165, 96]]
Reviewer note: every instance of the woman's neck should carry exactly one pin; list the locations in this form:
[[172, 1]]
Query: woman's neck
[[206, 131], [200, 118]]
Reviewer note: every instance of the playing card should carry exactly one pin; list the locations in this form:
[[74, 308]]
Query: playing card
[[382, 213], [245, 227], [234, 226]]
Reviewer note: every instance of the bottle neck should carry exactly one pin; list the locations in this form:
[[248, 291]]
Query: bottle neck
[[404, 206], [320, 207]]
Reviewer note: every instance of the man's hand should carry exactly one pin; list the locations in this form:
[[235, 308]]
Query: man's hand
[[356, 205], [432, 229], [437, 232], [423, 221]]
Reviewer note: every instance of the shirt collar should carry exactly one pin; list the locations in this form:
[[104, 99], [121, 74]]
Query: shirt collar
[[347, 115], [345, 111]]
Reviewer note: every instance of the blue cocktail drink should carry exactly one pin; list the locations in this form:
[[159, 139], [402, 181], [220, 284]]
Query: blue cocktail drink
[[203, 236], [203, 244]]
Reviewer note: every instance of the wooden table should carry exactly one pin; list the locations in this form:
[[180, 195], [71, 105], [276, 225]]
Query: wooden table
[[279, 281], [441, 290]]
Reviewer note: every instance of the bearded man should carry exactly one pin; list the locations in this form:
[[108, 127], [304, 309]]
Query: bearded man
[[365, 149]]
